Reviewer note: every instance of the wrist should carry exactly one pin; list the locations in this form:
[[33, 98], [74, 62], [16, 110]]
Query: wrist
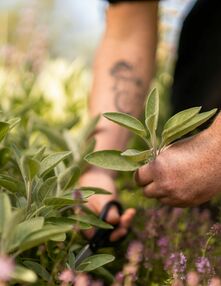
[[214, 131], [96, 177]]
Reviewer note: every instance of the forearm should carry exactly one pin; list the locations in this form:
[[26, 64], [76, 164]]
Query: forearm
[[123, 68]]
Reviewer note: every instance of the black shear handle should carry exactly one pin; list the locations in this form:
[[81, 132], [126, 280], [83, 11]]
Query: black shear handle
[[101, 237]]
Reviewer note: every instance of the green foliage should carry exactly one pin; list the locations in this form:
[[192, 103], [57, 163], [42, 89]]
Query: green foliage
[[175, 128], [39, 200], [95, 261]]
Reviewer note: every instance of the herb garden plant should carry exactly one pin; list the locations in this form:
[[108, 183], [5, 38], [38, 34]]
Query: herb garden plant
[[176, 127]]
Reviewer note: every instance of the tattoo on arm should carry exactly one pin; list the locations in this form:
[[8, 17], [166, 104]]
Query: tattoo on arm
[[127, 87]]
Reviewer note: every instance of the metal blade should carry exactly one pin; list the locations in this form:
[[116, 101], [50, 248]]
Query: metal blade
[[84, 253]]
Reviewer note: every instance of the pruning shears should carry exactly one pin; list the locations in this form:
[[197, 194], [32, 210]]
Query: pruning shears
[[101, 238]]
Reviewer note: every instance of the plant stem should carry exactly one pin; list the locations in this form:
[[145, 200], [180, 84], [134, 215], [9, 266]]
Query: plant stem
[[28, 191]]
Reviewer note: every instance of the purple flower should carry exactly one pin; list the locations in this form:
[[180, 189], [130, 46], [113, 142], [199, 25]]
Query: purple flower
[[135, 252], [203, 265], [176, 263], [7, 267], [119, 277], [215, 229], [163, 244], [77, 195], [67, 276]]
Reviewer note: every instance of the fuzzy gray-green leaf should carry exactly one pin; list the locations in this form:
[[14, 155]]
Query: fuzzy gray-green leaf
[[5, 210], [111, 159], [127, 121], [4, 128], [152, 111], [49, 162], [92, 220], [94, 262], [197, 120], [137, 155], [22, 274], [180, 118]]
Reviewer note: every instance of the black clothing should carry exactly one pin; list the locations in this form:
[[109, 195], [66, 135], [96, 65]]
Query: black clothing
[[197, 76], [118, 1]]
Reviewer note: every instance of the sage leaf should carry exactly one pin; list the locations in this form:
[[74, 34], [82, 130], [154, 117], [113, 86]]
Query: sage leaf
[[53, 136], [38, 269], [95, 261], [40, 236], [22, 274], [152, 111], [69, 177], [111, 159], [67, 221], [46, 189], [127, 121], [136, 155], [4, 128], [98, 191], [23, 229], [49, 162], [13, 122], [60, 202], [29, 167], [5, 210], [180, 118], [197, 120], [12, 185], [92, 220]]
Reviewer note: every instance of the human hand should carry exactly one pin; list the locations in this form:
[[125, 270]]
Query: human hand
[[187, 173], [102, 179]]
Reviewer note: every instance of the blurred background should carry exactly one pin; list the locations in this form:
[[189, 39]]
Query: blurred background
[[47, 47]]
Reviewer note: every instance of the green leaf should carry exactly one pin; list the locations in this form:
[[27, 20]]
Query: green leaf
[[92, 220], [49, 162], [111, 159], [15, 218], [38, 269], [69, 177], [23, 230], [197, 120], [53, 135], [152, 105], [30, 167], [180, 118], [22, 274], [86, 132], [5, 210], [105, 275], [12, 185], [152, 111], [59, 237], [67, 221], [127, 121], [71, 259], [95, 261], [46, 189], [98, 191], [39, 154], [136, 155], [60, 202], [13, 122], [41, 236], [4, 128]]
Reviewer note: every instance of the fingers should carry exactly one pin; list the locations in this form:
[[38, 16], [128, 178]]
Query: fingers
[[143, 176], [125, 222]]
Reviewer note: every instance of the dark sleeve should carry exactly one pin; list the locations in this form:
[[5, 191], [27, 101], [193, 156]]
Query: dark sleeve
[[118, 1]]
